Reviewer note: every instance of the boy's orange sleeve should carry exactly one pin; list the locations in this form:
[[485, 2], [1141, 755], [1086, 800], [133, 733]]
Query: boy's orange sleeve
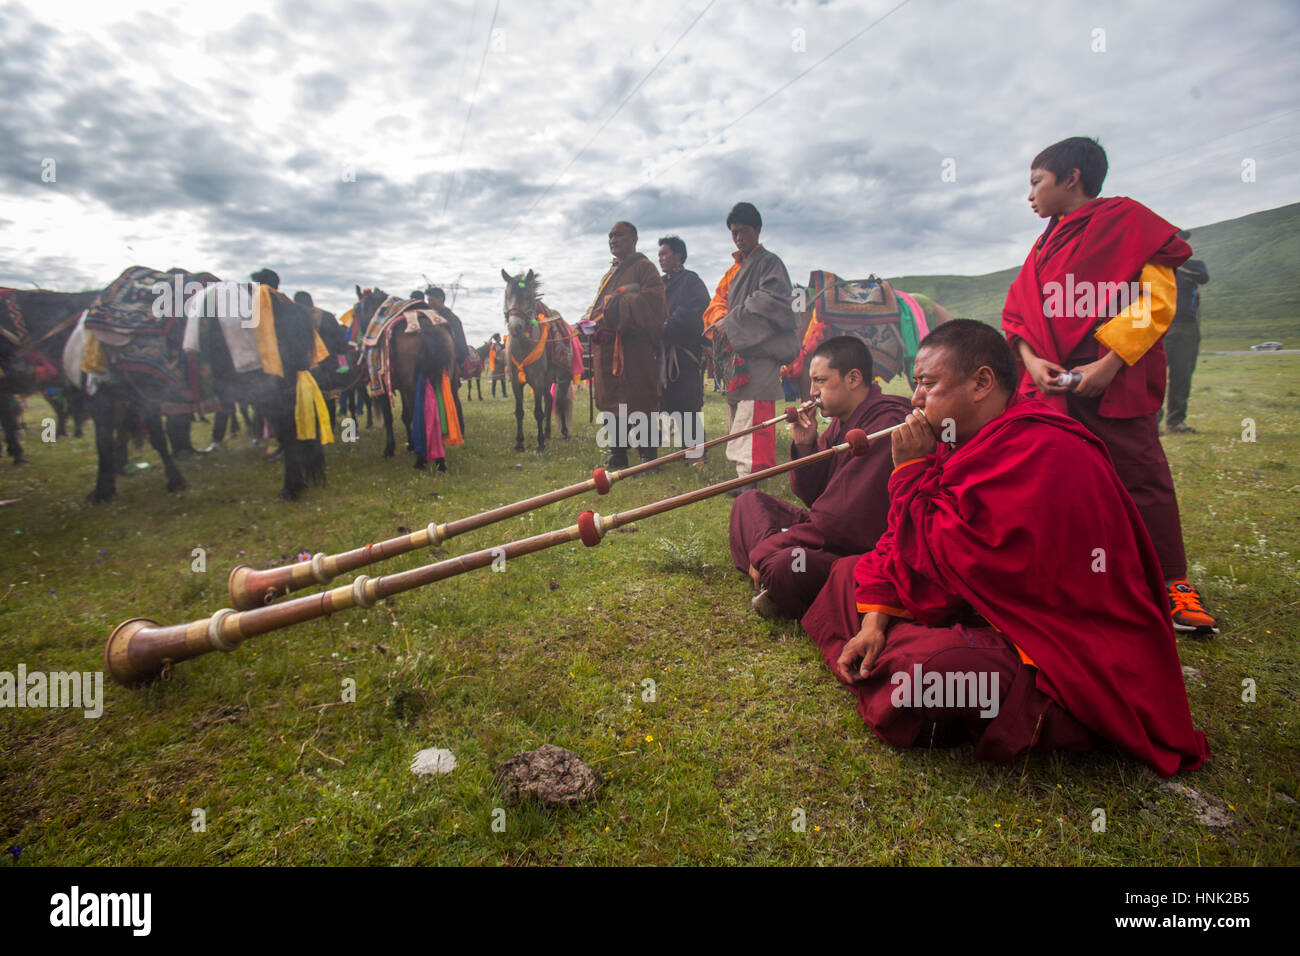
[[717, 310], [1132, 333]]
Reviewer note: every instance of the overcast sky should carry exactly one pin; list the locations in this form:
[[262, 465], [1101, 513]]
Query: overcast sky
[[367, 142]]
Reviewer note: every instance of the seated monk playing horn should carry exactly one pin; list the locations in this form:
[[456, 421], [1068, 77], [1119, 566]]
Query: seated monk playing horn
[[787, 551], [1015, 597]]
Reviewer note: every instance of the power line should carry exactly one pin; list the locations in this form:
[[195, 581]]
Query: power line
[[546, 192], [446, 196]]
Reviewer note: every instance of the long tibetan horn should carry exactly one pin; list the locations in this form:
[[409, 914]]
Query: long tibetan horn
[[251, 588], [139, 648]]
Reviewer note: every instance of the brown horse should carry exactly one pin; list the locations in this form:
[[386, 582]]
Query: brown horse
[[34, 327], [532, 363], [429, 353]]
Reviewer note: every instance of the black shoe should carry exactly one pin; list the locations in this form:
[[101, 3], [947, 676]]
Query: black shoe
[[616, 462], [1181, 429]]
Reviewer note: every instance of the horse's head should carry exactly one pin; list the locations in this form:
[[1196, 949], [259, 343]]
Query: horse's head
[[521, 303], [368, 300]]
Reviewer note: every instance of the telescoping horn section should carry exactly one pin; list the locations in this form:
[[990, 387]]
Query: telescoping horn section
[[251, 588], [139, 649]]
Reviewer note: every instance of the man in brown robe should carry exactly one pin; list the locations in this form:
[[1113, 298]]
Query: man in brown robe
[[629, 313], [787, 551]]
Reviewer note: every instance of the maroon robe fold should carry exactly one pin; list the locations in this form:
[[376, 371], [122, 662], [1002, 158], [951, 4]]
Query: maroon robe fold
[[848, 502], [1028, 524], [1104, 241]]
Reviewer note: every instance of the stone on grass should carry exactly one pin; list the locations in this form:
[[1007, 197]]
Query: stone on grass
[[553, 776], [1208, 809], [435, 760]]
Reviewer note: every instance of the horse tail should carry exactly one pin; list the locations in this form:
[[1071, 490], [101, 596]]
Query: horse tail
[[437, 353]]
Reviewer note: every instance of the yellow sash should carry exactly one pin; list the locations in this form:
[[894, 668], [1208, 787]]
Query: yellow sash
[[309, 409], [268, 348]]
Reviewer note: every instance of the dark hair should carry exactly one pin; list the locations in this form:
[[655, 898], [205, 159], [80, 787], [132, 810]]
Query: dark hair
[[417, 294], [434, 290], [844, 353], [972, 345], [676, 245], [303, 298], [744, 214], [266, 277], [1077, 152]]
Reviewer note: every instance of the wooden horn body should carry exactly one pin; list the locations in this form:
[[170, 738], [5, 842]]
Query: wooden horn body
[[252, 588], [139, 649]]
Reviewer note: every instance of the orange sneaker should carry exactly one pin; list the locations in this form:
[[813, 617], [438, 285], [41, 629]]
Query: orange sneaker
[[1188, 610]]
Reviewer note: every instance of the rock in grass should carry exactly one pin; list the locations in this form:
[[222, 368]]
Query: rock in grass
[[1208, 809], [435, 760], [551, 775]]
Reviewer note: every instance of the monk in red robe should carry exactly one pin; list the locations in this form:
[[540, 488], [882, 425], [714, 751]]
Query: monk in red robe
[[1095, 295], [1015, 597], [787, 551]]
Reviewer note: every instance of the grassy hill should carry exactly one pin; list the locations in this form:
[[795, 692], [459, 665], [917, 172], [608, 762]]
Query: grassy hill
[[1253, 294]]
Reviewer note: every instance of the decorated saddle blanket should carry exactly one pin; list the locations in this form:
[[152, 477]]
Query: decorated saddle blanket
[[868, 309], [136, 329], [394, 316]]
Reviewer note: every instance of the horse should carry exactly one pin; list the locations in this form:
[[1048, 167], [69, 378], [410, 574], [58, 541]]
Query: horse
[[539, 354], [472, 371], [398, 360], [891, 322], [126, 380], [34, 327]]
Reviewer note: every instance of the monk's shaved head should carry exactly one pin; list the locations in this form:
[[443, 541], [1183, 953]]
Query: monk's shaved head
[[844, 353], [972, 345]]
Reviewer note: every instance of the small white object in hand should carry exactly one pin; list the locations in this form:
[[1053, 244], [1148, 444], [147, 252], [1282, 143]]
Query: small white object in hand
[[432, 761]]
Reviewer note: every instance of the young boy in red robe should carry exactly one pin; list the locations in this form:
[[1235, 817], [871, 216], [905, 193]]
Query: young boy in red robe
[[1095, 296], [1015, 597]]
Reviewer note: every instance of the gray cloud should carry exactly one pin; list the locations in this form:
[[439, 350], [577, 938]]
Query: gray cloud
[[226, 144]]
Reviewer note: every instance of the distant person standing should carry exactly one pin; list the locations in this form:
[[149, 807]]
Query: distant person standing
[[629, 313], [751, 310], [1183, 340], [683, 344]]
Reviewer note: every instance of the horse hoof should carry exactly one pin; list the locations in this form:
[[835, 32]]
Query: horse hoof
[[388, 453], [519, 448], [289, 494], [177, 485], [98, 497], [21, 461]]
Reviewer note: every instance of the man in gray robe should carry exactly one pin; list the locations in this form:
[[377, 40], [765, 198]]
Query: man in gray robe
[[754, 333]]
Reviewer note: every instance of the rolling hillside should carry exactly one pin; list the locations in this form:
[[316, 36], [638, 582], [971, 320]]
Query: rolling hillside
[[1253, 294]]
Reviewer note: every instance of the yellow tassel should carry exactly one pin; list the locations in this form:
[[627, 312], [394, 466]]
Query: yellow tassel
[[309, 409]]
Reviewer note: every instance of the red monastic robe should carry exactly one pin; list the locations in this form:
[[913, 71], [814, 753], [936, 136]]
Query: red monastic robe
[[1028, 524], [1104, 241]]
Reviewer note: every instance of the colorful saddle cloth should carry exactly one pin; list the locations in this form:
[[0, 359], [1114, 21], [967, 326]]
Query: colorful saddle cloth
[[394, 316], [138, 328], [865, 308]]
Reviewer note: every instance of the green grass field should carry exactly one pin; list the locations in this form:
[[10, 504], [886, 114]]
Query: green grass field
[[747, 730]]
